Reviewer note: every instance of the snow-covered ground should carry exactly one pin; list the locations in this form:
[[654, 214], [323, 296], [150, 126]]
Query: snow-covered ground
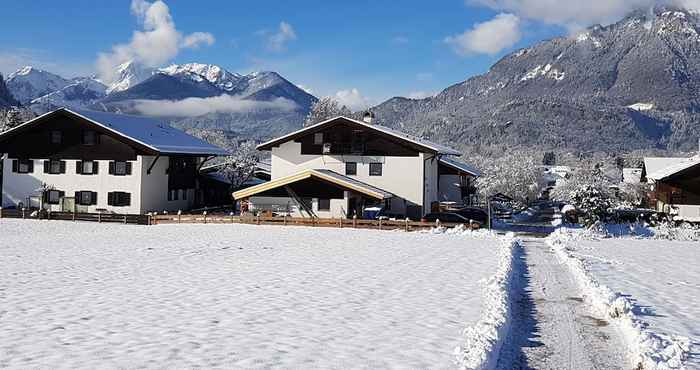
[[652, 288], [94, 295]]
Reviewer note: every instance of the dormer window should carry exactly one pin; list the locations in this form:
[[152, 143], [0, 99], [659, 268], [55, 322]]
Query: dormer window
[[89, 137], [318, 138], [56, 137]]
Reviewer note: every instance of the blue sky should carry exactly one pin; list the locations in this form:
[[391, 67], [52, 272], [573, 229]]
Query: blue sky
[[381, 48]]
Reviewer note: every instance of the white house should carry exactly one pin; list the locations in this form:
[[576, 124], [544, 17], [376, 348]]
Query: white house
[[340, 167], [94, 161]]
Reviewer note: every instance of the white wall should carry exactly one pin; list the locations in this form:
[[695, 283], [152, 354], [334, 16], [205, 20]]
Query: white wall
[[154, 188], [18, 187], [402, 176]]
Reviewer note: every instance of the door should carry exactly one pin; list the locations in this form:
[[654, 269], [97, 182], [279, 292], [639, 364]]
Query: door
[[68, 204]]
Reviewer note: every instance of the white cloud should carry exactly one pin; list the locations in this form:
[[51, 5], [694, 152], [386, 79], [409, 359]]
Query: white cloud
[[157, 43], [488, 37], [198, 38], [194, 107], [352, 99], [278, 41], [421, 94], [576, 14]]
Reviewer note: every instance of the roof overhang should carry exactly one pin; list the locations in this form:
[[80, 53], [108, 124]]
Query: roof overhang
[[460, 167], [323, 175], [423, 144]]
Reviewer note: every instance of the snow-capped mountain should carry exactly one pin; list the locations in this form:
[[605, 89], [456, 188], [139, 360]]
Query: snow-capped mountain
[[29, 83], [216, 75], [631, 85], [129, 74], [80, 94]]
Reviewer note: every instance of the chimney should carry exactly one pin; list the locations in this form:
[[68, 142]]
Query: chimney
[[368, 117]]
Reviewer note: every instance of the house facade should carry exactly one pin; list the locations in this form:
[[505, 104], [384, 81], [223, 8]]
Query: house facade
[[88, 161], [340, 167], [675, 186]]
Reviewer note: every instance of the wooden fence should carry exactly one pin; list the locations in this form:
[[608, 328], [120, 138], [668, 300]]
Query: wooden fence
[[296, 221], [74, 216]]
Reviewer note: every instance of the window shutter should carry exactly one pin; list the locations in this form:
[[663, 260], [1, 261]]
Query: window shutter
[[111, 168], [110, 199], [45, 196], [46, 166], [95, 167], [128, 168], [15, 165], [127, 199], [79, 167], [63, 167], [31, 166], [94, 198]]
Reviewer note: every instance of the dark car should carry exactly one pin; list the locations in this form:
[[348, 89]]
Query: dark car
[[447, 217], [473, 213]]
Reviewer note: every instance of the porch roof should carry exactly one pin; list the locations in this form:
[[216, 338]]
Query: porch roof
[[320, 174]]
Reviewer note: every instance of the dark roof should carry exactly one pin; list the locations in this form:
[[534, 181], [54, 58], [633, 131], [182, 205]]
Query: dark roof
[[425, 144], [459, 166], [150, 133]]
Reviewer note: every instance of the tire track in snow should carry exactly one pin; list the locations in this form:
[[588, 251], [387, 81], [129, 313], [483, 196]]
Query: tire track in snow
[[553, 326]]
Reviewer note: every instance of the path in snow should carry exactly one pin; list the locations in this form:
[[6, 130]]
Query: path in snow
[[553, 328]]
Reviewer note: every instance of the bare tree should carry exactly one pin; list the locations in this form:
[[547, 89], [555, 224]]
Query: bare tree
[[326, 108], [14, 116], [240, 166]]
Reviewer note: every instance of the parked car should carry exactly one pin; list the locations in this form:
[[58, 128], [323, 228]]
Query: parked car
[[447, 217], [473, 213]]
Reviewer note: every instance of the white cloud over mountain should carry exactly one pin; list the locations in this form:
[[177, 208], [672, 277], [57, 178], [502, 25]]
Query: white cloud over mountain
[[488, 37], [353, 99], [156, 44], [194, 107], [278, 41]]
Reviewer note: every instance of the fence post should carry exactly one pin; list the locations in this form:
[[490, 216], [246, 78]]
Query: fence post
[[354, 221], [99, 217], [285, 219], [257, 219], [74, 215], [0, 212], [406, 224], [380, 224], [23, 213], [231, 214], [341, 222], [179, 216], [125, 220], [205, 217]]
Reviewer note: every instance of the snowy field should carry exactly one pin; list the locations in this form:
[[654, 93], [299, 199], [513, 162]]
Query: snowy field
[[657, 281], [114, 296]]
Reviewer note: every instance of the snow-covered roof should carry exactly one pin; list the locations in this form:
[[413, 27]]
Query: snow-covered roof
[[433, 147], [655, 164], [154, 134], [679, 165], [459, 166]]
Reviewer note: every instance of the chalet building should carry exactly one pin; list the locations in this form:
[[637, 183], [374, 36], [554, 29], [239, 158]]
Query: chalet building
[[675, 186], [88, 161], [340, 167]]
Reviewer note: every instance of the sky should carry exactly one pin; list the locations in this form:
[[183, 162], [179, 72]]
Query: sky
[[362, 52]]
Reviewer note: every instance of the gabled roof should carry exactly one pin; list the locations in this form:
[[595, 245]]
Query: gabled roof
[[425, 144], [678, 166], [655, 164], [459, 166], [326, 175], [154, 135]]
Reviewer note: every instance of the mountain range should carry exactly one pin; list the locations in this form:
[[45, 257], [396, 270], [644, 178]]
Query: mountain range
[[259, 115], [631, 85]]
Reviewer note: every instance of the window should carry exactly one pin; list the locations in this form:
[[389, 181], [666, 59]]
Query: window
[[184, 194], [54, 167], [23, 166], [56, 137], [318, 138], [85, 198], [119, 168], [324, 204], [89, 138], [119, 199], [375, 169], [53, 196], [86, 167], [350, 168]]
